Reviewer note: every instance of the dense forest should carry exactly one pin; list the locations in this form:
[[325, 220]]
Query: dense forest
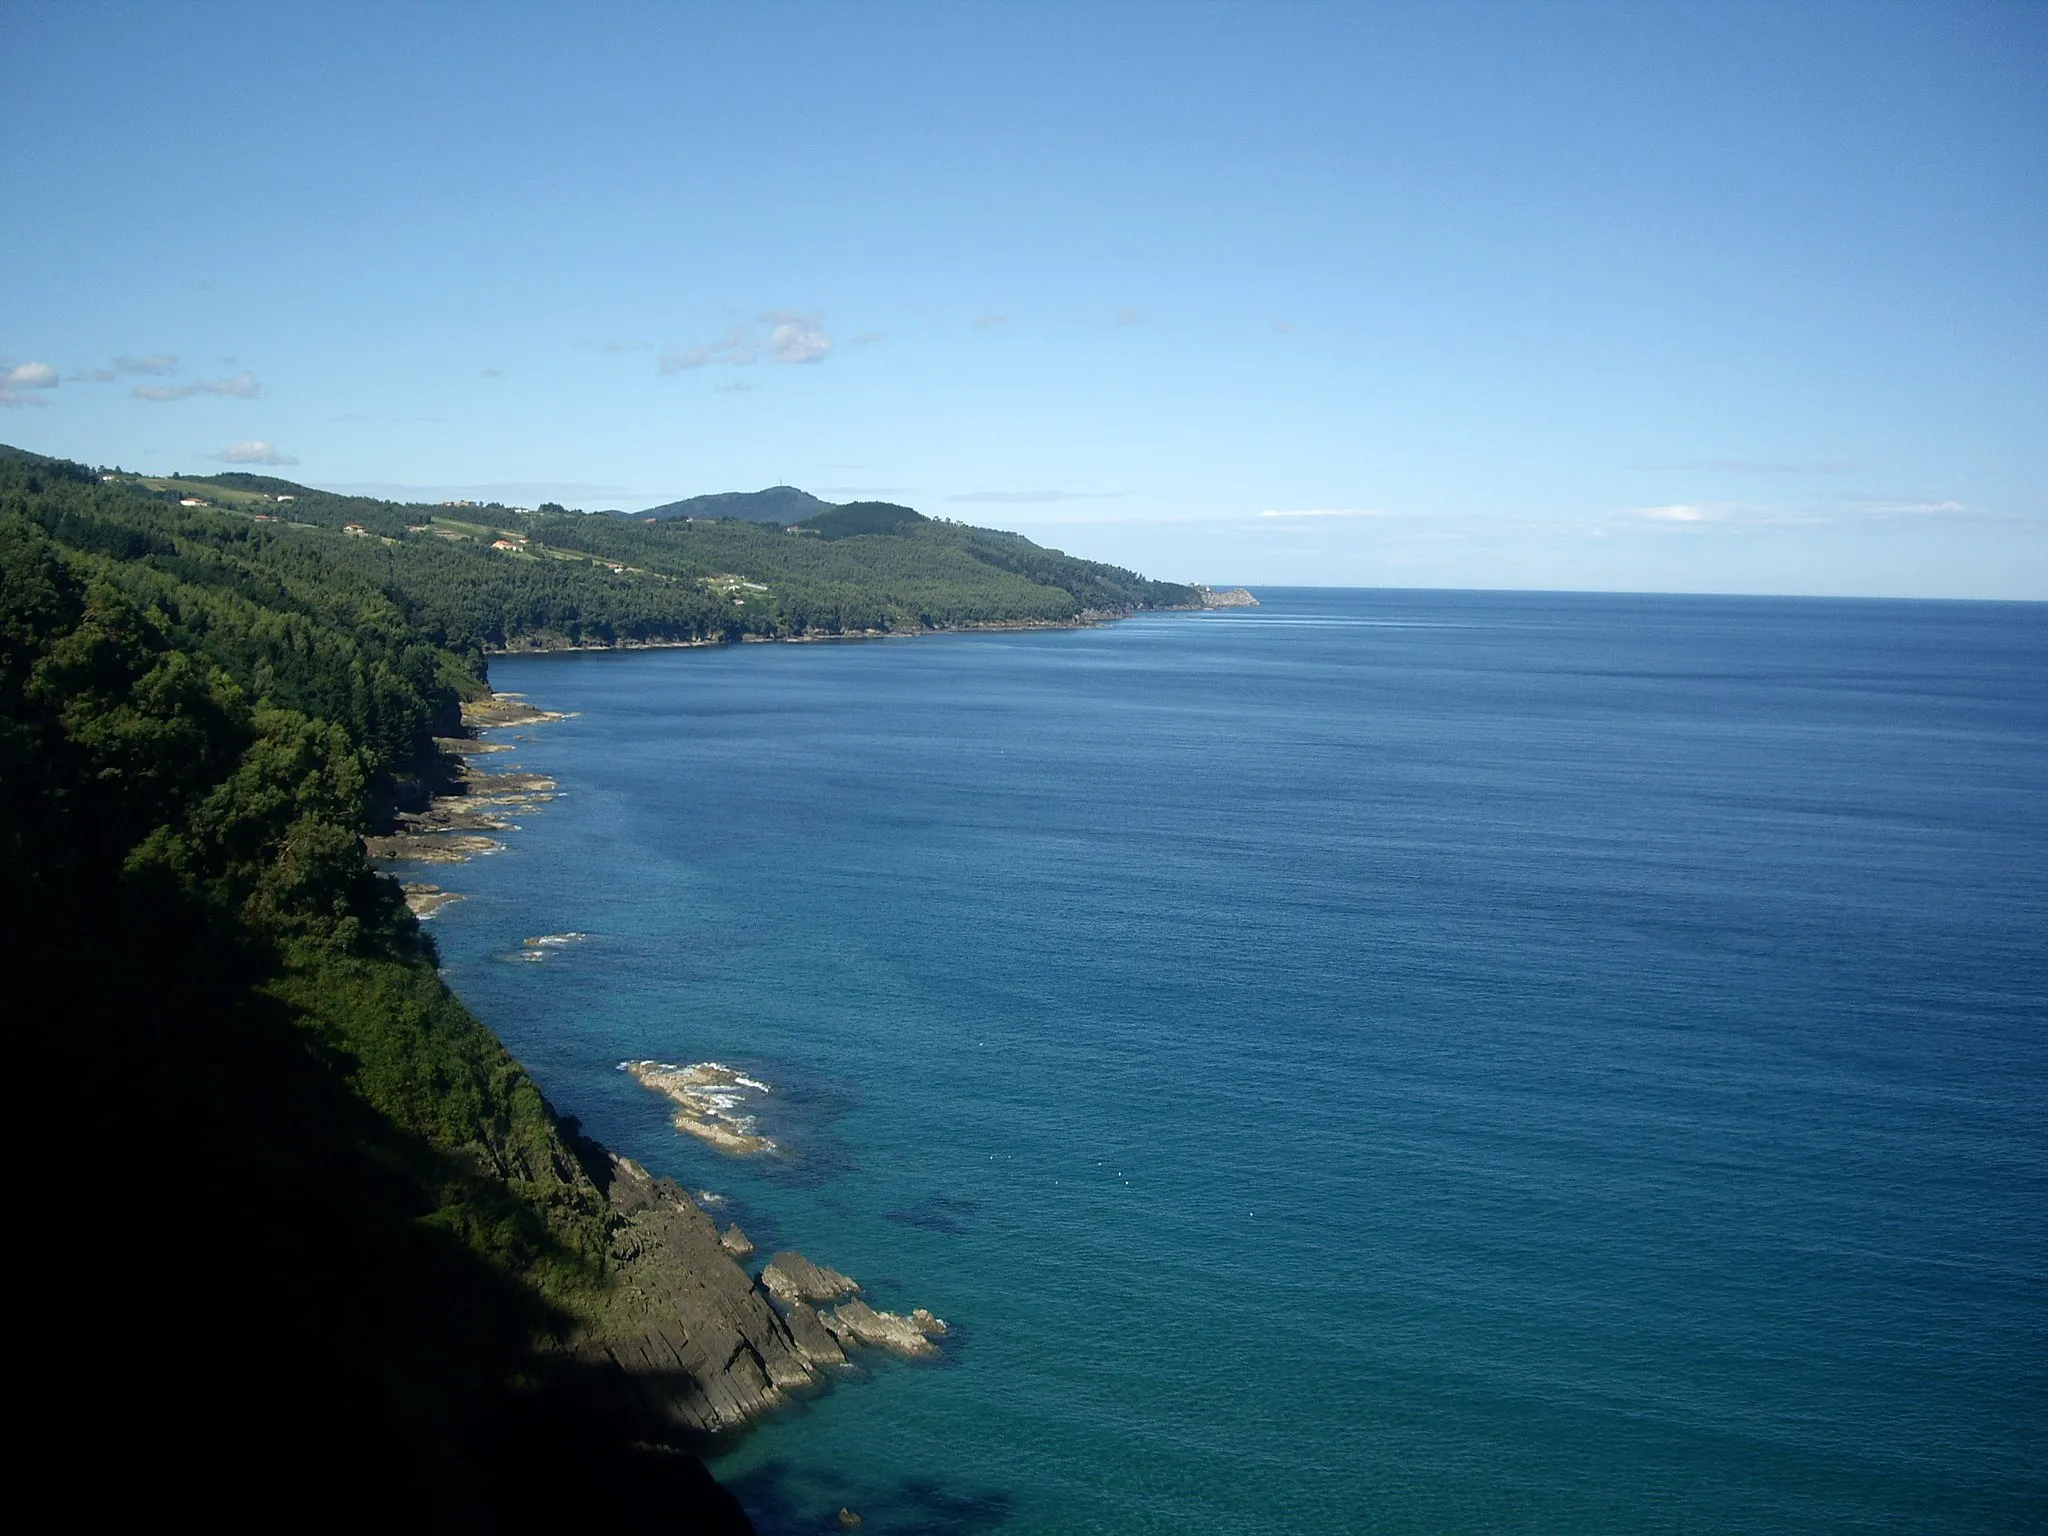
[[482, 578]]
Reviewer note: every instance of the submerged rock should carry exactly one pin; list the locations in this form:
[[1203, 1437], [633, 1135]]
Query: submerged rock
[[708, 1096], [791, 1277]]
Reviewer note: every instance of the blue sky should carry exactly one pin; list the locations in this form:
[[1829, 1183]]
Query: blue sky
[[1703, 297]]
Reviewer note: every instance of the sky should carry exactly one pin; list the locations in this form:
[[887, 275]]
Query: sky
[[1704, 297]]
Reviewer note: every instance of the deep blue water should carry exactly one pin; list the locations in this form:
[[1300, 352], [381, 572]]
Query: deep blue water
[[1406, 1062]]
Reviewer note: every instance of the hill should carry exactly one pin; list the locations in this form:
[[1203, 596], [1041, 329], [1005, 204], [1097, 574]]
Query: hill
[[480, 579], [858, 517], [780, 505]]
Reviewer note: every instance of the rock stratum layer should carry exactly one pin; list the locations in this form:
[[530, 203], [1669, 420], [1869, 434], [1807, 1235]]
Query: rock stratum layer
[[683, 1340]]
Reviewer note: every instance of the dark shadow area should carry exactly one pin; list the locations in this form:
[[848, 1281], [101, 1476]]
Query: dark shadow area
[[255, 1312], [783, 1499]]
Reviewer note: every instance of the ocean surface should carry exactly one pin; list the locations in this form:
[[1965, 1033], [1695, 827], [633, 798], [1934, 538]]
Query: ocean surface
[[1380, 1062]]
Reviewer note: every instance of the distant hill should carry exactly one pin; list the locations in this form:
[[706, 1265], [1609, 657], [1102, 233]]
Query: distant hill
[[858, 517], [781, 505], [483, 578]]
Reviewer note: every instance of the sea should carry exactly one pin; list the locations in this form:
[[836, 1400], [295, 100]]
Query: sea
[[1380, 1061]]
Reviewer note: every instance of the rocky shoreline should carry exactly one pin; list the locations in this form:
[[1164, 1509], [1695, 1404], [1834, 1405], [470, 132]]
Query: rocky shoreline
[[700, 1345], [684, 1340], [1088, 618], [458, 824]]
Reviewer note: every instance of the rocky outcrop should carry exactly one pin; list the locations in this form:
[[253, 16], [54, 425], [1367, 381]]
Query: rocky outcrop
[[1228, 597], [425, 900], [812, 1335], [501, 709], [710, 1100], [855, 1322], [451, 827], [684, 1341], [695, 1341], [736, 1242], [790, 1277]]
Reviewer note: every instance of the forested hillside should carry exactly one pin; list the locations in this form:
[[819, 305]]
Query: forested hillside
[[303, 1213], [299, 1222], [488, 578]]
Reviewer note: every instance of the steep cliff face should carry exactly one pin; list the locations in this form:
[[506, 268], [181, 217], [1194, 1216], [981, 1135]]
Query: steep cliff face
[[693, 1339]]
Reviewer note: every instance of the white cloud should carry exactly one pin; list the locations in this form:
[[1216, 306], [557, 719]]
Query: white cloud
[[796, 338], [254, 451], [784, 335], [242, 386], [1726, 514], [18, 385]]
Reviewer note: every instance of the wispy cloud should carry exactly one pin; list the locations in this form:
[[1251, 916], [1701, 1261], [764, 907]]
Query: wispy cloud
[[1886, 506], [1283, 327], [1324, 512], [241, 386], [1751, 467], [157, 364], [736, 347], [1028, 498], [1723, 514], [783, 335], [21, 383], [984, 322], [494, 373], [866, 490], [736, 387], [1128, 316], [1750, 514], [254, 451]]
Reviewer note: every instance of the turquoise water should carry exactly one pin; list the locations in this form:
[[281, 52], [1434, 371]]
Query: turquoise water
[[1378, 1062]]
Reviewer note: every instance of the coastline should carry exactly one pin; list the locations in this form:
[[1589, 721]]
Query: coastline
[[1090, 618], [687, 1338]]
